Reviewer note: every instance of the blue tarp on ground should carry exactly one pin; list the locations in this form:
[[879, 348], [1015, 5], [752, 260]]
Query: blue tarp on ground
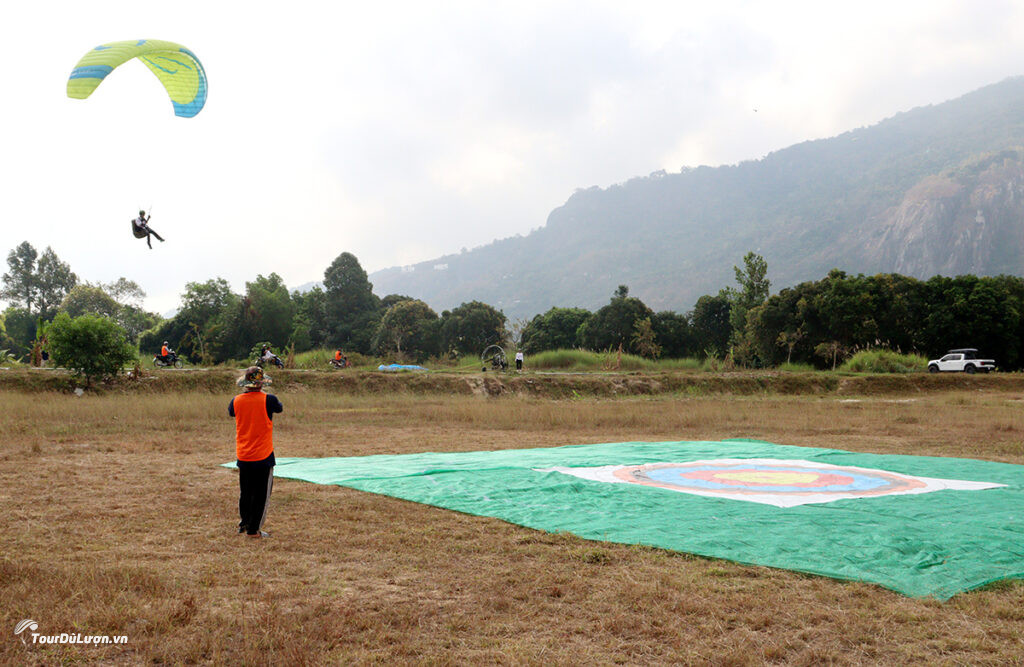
[[400, 367]]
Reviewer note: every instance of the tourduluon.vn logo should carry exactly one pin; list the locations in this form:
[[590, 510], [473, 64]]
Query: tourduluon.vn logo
[[64, 637]]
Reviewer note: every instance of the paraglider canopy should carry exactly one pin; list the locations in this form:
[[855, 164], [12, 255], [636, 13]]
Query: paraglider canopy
[[178, 69]]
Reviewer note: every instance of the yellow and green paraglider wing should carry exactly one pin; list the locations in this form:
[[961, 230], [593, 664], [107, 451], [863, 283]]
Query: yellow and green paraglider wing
[[177, 68]]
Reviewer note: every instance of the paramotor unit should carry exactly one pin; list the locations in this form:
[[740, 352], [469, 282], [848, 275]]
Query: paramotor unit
[[493, 356]]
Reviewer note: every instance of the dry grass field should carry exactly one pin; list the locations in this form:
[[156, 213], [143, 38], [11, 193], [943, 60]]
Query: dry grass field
[[117, 520]]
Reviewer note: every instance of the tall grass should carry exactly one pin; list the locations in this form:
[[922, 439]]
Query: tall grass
[[796, 367], [884, 361], [585, 360]]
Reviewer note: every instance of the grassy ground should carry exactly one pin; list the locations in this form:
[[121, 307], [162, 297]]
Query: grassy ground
[[117, 520]]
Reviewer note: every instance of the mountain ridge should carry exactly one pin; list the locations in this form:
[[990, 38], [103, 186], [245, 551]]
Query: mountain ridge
[[896, 196]]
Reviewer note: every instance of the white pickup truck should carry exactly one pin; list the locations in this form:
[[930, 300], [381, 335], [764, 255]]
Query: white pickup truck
[[964, 360]]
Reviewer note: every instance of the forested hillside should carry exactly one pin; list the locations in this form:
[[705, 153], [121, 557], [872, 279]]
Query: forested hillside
[[935, 190]]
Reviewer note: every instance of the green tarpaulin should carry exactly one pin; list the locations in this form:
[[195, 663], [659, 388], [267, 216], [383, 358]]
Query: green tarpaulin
[[922, 526]]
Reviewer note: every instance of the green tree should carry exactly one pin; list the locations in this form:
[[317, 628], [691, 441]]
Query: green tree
[[777, 320], [97, 300], [832, 350], [135, 320], [848, 308], [20, 283], [202, 302], [752, 291], [212, 323], [125, 291], [789, 340], [408, 329], [232, 335], [89, 345], [644, 339], [471, 327], [710, 324], [273, 308], [311, 316], [391, 299], [753, 282], [554, 330], [21, 329], [300, 338], [86, 298], [614, 324], [672, 331], [352, 309], [38, 282], [55, 279]]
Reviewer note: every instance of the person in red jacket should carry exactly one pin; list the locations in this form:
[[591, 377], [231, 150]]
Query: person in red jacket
[[254, 411]]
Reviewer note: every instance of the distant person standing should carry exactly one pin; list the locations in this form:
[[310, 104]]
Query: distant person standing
[[254, 411], [519, 361]]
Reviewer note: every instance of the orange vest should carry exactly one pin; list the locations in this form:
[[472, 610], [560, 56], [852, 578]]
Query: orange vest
[[164, 351], [254, 430], [337, 355]]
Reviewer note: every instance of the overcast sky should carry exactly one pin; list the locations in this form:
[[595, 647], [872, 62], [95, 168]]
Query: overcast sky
[[400, 131]]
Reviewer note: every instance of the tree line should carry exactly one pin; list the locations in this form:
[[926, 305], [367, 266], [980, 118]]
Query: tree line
[[818, 322]]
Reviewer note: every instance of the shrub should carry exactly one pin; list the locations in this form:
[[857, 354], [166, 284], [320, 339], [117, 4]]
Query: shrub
[[682, 364], [92, 346], [8, 359], [796, 367], [585, 360], [884, 361]]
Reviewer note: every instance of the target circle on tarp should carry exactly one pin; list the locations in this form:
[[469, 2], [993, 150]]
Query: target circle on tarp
[[760, 478]]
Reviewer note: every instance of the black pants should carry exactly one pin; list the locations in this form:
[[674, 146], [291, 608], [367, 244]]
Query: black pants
[[255, 483], [143, 233], [150, 243]]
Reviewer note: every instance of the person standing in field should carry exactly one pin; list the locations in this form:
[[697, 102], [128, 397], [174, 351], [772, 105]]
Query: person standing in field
[[254, 411], [519, 360]]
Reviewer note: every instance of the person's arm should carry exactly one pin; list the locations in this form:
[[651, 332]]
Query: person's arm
[[273, 405], [231, 408]]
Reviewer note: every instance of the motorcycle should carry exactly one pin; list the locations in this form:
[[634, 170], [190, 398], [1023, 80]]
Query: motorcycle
[[275, 360], [344, 363], [171, 360]]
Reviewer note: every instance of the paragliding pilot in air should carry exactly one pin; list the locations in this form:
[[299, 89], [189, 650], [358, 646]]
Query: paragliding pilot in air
[[140, 229]]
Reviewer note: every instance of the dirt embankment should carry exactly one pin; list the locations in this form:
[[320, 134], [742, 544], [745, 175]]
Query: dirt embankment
[[548, 385]]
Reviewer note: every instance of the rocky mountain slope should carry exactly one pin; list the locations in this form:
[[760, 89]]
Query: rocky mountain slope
[[936, 190]]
